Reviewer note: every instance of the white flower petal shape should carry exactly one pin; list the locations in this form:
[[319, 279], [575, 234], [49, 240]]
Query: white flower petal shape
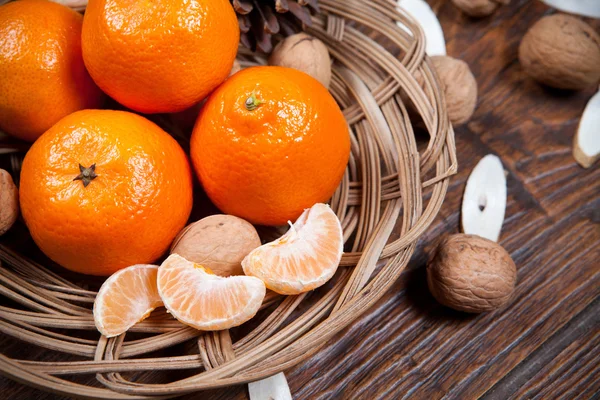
[[586, 148], [418, 9], [588, 8], [484, 201]]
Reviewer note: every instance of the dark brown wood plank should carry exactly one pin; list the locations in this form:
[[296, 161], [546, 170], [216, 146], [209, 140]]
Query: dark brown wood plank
[[553, 364], [545, 344]]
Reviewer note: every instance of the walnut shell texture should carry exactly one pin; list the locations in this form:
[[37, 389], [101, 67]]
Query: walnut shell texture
[[561, 51], [219, 242], [459, 85], [479, 8], [304, 53], [470, 273], [9, 202]]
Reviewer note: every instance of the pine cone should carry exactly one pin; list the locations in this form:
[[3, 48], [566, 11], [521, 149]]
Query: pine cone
[[260, 19]]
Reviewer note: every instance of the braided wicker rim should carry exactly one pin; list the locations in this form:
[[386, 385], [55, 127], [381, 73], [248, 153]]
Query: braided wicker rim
[[382, 195]]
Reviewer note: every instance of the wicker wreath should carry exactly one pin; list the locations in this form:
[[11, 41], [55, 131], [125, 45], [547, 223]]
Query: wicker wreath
[[389, 196]]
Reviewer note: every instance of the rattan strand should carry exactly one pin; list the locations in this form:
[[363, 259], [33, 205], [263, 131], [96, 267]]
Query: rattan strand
[[381, 195]]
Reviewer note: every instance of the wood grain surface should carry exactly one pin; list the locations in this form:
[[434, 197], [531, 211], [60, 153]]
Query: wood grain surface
[[546, 343]]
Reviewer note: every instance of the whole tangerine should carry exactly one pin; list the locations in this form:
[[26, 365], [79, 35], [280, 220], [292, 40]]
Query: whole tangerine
[[42, 75], [269, 143], [102, 190], [160, 56]]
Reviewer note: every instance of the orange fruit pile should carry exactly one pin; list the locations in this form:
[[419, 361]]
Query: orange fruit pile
[[160, 56], [42, 75], [106, 192], [270, 142], [102, 190]]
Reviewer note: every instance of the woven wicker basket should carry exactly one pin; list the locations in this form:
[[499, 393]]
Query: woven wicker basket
[[389, 195]]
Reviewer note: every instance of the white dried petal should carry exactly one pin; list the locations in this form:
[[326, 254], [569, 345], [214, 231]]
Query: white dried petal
[[588, 8], [273, 387], [484, 201], [586, 148], [434, 36]]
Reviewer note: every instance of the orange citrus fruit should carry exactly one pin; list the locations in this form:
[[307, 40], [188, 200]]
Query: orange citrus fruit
[[102, 190], [270, 142], [205, 301], [126, 298], [160, 56], [42, 75], [304, 258]]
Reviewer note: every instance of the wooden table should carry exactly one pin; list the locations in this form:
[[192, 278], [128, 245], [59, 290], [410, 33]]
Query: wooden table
[[546, 342]]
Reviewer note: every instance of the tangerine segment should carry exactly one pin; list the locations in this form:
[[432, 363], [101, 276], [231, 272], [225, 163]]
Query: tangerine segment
[[304, 258], [202, 300], [127, 297]]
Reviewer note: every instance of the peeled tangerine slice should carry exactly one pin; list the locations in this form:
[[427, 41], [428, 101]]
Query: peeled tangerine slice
[[127, 297], [205, 301], [304, 258]]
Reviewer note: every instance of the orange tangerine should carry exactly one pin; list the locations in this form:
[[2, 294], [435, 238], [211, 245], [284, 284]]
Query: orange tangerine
[[42, 75], [159, 56], [268, 143], [102, 190]]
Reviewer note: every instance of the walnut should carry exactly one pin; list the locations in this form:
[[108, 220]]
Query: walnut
[[9, 202], [561, 51], [219, 242], [459, 86], [305, 53], [479, 8], [472, 274]]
